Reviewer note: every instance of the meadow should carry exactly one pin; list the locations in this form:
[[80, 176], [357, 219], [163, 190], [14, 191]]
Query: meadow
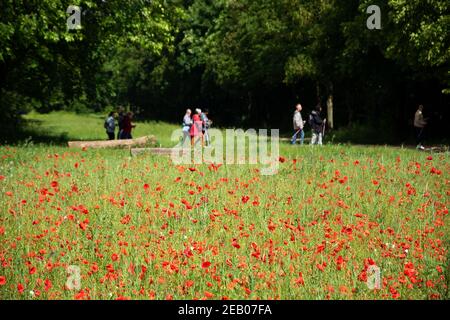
[[144, 228]]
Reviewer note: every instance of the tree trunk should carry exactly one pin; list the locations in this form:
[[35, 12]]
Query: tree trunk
[[112, 143], [330, 107]]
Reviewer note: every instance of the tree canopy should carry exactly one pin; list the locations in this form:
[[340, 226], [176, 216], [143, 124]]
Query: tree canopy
[[248, 61]]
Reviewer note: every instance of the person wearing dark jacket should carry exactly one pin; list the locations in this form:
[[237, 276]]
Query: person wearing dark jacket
[[317, 125], [419, 126]]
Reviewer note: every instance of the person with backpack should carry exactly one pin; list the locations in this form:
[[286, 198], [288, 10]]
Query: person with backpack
[[187, 123], [317, 125], [110, 126], [206, 123], [298, 125]]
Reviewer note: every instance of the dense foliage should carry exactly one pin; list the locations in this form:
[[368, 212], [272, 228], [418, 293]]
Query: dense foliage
[[248, 61]]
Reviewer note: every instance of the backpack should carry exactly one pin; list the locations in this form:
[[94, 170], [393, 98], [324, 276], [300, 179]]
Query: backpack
[[105, 124], [120, 121]]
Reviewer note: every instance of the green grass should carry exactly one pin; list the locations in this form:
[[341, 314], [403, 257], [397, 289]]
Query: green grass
[[104, 209], [66, 126]]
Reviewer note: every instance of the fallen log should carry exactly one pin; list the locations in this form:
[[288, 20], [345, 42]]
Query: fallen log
[[112, 143], [158, 151]]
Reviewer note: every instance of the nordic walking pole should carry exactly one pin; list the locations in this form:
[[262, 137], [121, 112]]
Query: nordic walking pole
[[295, 135]]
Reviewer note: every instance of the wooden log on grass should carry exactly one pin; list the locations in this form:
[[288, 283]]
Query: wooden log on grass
[[142, 141], [158, 151]]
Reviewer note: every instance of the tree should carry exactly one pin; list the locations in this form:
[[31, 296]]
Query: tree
[[42, 61]]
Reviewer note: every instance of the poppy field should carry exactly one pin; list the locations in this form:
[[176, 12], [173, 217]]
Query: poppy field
[[144, 228]]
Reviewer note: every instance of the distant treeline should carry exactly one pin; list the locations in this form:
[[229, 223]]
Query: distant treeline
[[248, 61]]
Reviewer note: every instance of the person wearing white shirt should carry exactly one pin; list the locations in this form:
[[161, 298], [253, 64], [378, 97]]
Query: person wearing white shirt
[[298, 125]]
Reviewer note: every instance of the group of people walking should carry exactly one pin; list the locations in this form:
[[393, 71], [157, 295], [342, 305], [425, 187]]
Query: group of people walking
[[318, 126], [195, 127], [124, 122], [315, 121]]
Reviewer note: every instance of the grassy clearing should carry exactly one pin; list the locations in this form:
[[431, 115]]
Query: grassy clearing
[[65, 126]]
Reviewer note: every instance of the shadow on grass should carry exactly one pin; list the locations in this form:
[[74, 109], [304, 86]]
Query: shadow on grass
[[27, 131]]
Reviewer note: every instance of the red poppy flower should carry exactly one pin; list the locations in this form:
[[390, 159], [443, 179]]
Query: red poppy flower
[[299, 280], [320, 248], [339, 263], [206, 264], [322, 266], [394, 293], [80, 295], [271, 226], [245, 199], [20, 288], [48, 284], [2, 280], [435, 171], [126, 219]]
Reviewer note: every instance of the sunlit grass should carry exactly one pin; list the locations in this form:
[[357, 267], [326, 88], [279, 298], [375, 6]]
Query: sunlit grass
[[73, 126]]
